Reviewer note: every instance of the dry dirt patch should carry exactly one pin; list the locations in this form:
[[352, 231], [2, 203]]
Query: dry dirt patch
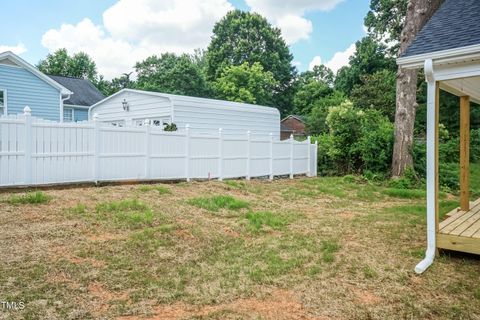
[[279, 305]]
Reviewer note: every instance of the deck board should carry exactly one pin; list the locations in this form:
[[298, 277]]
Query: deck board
[[461, 230]]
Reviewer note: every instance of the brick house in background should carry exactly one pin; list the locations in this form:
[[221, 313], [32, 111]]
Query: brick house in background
[[293, 124]]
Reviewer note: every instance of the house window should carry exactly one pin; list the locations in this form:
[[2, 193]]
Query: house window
[[157, 122], [119, 123], [3, 102], [68, 115]]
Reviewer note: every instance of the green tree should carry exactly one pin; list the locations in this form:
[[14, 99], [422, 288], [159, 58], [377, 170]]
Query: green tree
[[376, 91], [308, 94], [370, 56], [170, 73], [248, 37], [245, 83], [59, 63], [116, 84], [385, 21], [316, 120]]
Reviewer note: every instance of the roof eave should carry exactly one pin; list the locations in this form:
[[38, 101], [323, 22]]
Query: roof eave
[[440, 57], [35, 71]]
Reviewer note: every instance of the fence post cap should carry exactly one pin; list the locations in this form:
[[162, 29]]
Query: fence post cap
[[291, 136], [146, 122], [95, 116], [220, 130], [187, 126], [309, 138], [27, 111]]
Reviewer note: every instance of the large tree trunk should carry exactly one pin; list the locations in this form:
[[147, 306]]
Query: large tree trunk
[[418, 14]]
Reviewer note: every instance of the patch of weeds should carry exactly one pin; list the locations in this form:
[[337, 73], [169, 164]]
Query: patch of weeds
[[243, 186], [257, 220], [130, 212], [159, 189], [80, 208], [218, 202], [329, 248], [271, 265], [37, 197], [150, 239], [369, 272], [476, 293], [405, 193]]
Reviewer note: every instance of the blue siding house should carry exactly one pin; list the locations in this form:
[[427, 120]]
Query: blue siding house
[[49, 97]]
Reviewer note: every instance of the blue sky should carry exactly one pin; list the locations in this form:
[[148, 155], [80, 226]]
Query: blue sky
[[118, 33]]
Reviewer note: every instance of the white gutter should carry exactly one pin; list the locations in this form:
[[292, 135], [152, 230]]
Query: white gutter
[[441, 57], [431, 169]]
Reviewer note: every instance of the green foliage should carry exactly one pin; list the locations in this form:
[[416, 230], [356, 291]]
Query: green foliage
[[248, 37], [170, 127], [357, 141], [116, 84], [59, 63], [385, 20], [309, 92], [216, 203], [37, 197], [245, 83], [316, 120], [377, 91], [170, 73], [370, 56]]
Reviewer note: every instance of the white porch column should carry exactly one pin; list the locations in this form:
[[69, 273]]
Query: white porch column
[[432, 166]]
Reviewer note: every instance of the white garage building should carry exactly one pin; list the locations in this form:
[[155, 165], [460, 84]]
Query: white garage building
[[132, 107]]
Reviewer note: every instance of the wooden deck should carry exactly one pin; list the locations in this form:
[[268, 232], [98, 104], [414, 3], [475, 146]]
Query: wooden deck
[[461, 230]]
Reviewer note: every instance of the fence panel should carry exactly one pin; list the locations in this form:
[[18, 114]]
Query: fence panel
[[38, 152]]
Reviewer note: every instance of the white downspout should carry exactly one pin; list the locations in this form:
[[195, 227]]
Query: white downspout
[[62, 101], [431, 172]]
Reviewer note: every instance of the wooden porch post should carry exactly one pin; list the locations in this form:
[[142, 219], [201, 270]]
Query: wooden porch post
[[465, 153]]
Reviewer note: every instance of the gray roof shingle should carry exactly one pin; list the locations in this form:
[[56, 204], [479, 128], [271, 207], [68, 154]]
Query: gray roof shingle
[[456, 24], [84, 92]]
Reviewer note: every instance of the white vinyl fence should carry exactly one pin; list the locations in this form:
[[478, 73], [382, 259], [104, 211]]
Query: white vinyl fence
[[39, 152]]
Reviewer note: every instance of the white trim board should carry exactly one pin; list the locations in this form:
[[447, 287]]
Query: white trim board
[[19, 61]]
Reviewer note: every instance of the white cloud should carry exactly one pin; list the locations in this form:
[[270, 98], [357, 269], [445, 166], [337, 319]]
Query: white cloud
[[296, 63], [17, 49], [339, 59], [294, 28], [135, 29], [316, 61], [289, 15]]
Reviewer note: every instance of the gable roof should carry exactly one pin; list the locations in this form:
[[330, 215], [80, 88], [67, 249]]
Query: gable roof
[[84, 92], [296, 117], [16, 60], [455, 25]]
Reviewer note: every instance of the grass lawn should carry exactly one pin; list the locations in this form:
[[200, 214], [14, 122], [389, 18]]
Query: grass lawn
[[323, 248]]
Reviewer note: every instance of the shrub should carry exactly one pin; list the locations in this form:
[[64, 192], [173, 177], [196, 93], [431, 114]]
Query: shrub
[[37, 197], [357, 141]]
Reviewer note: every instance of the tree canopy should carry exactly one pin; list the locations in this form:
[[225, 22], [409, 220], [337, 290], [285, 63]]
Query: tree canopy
[[248, 37], [385, 20], [370, 56], [170, 73], [60, 63], [245, 83]]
